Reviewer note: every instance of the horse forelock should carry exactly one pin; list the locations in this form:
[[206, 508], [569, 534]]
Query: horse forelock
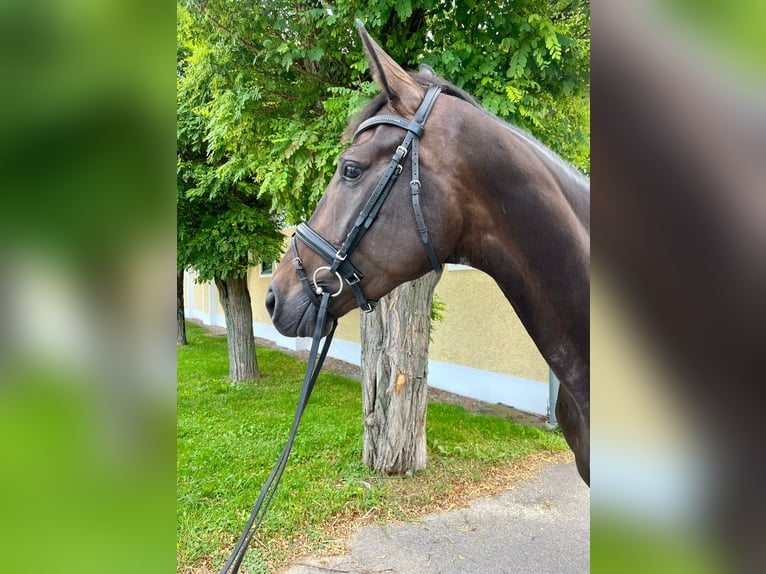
[[425, 80]]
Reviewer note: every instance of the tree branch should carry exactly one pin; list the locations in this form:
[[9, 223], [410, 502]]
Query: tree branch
[[202, 8]]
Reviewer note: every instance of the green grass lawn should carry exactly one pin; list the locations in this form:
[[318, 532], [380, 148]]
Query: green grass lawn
[[229, 436]]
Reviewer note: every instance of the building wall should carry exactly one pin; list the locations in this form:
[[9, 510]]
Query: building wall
[[480, 350], [481, 329]]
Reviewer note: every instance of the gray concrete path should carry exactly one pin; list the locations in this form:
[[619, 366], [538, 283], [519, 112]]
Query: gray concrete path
[[538, 527]]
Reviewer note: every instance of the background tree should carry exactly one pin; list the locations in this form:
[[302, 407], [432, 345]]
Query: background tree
[[288, 75], [395, 352], [394, 378], [223, 226], [180, 316]]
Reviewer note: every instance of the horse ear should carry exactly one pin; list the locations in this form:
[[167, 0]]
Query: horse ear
[[427, 70], [403, 93]]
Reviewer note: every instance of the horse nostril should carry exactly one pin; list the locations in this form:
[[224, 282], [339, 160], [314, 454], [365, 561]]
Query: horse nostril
[[271, 302]]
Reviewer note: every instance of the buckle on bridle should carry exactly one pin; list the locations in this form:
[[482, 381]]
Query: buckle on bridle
[[369, 307], [356, 279], [403, 150]]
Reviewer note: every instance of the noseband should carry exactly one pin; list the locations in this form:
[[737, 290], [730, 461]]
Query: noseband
[[338, 262]]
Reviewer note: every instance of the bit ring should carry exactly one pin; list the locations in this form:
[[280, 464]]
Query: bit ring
[[318, 290]]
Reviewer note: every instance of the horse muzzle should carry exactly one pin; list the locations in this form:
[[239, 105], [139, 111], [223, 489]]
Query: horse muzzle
[[293, 315]]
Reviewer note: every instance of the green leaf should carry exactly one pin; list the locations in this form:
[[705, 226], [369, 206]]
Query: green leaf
[[403, 9]]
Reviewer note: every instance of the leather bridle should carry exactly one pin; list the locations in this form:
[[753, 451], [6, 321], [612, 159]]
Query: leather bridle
[[341, 266], [338, 262]]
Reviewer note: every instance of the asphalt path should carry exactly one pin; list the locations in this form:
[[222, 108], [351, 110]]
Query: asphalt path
[[541, 526]]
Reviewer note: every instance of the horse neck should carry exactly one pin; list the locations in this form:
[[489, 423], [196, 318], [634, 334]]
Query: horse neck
[[526, 224]]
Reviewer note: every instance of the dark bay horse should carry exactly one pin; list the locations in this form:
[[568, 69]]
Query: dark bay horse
[[483, 193]]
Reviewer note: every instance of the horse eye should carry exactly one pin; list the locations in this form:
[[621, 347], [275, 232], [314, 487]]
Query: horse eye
[[352, 172]]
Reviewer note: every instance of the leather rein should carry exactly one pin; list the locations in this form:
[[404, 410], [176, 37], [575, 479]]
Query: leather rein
[[340, 265]]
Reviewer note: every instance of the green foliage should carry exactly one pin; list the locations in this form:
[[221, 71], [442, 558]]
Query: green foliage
[[229, 437], [219, 235], [438, 314], [223, 227], [273, 84]]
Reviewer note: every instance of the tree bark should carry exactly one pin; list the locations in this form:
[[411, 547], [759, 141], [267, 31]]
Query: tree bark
[[180, 316], [235, 300], [395, 339]]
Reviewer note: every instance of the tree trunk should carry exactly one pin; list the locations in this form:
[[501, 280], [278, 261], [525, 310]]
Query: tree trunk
[[180, 316], [235, 300], [395, 340]]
